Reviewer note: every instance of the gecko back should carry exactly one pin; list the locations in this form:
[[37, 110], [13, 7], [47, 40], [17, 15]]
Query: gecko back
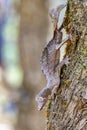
[[50, 56]]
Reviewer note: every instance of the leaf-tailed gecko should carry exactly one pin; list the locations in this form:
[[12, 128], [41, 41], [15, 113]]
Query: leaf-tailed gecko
[[50, 64]]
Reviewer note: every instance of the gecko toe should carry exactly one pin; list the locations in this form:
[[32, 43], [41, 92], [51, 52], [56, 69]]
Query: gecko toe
[[67, 60]]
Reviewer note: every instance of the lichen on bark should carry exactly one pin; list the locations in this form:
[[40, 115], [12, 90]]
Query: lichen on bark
[[67, 110]]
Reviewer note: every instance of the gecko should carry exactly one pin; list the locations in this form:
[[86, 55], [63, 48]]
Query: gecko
[[50, 60]]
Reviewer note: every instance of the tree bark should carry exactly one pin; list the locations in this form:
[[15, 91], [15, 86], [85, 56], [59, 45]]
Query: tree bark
[[67, 110]]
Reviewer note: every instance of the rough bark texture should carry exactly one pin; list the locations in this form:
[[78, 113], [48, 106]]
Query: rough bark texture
[[67, 110]]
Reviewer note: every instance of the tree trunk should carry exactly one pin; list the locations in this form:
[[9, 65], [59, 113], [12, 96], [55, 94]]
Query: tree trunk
[[67, 110], [33, 32]]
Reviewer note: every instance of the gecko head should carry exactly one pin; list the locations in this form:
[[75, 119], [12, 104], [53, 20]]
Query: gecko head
[[54, 13], [60, 7], [41, 102]]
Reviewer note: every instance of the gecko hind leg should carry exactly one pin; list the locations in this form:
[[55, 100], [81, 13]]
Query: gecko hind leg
[[58, 66], [64, 61]]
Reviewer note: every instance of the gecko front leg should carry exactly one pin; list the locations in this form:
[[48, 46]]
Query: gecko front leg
[[63, 42]]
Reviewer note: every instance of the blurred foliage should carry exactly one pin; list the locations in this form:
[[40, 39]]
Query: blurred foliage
[[24, 29]]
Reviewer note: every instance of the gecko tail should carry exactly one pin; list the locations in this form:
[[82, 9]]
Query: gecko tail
[[42, 97], [41, 102]]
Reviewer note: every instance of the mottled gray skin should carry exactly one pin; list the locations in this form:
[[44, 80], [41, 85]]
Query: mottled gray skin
[[50, 64], [51, 68], [50, 57]]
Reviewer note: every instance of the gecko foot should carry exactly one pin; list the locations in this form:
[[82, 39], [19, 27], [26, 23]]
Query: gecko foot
[[67, 60]]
